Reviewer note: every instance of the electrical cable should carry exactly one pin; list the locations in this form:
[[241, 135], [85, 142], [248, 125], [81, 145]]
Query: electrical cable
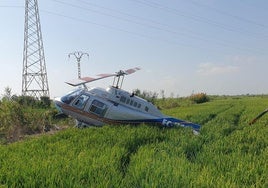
[[191, 36]]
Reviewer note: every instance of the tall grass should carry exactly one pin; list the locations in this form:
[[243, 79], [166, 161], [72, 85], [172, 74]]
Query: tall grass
[[227, 153]]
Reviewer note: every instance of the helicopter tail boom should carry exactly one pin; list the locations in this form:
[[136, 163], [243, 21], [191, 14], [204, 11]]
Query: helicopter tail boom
[[167, 122], [173, 122]]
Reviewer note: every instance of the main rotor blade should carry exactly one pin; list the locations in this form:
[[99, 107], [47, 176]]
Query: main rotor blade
[[84, 80], [130, 71]]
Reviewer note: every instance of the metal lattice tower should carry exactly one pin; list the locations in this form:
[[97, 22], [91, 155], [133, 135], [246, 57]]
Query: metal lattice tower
[[34, 76], [78, 55]]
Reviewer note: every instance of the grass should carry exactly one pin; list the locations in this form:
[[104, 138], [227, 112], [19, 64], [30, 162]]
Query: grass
[[227, 153]]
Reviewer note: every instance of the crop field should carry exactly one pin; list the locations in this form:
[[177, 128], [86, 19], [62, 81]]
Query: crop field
[[228, 152]]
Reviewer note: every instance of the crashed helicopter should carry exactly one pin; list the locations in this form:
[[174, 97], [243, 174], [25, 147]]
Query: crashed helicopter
[[98, 106]]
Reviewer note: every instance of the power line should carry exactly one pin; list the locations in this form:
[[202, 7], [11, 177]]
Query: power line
[[165, 8], [169, 27], [219, 11], [113, 28], [153, 24], [11, 6], [198, 18], [156, 5], [173, 42]]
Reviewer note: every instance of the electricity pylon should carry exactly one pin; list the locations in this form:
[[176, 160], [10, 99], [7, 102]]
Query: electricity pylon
[[34, 75], [78, 55]]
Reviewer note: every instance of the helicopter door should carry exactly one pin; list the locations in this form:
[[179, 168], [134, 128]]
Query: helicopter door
[[81, 101], [98, 108]]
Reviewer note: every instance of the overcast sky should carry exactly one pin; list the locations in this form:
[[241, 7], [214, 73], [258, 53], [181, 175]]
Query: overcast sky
[[182, 46]]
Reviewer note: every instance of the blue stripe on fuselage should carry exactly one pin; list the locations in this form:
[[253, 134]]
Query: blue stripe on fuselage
[[168, 122]]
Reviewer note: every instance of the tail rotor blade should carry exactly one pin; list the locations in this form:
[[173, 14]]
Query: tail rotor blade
[[258, 117]]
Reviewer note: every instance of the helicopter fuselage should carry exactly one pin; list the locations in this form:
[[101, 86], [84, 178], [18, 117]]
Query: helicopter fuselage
[[98, 106]]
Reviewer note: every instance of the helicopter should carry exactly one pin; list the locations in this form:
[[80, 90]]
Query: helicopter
[[98, 106]]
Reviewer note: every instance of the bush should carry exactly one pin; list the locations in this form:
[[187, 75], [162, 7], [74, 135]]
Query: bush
[[199, 98], [12, 119], [28, 101], [147, 95], [17, 120], [45, 102]]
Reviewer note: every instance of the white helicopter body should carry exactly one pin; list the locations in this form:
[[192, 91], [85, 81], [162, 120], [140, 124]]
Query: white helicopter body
[[98, 106]]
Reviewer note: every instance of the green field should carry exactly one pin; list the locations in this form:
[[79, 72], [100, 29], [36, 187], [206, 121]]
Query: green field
[[227, 152]]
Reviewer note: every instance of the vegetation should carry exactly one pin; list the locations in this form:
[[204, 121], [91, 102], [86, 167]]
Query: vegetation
[[227, 152], [24, 115], [199, 98], [148, 95]]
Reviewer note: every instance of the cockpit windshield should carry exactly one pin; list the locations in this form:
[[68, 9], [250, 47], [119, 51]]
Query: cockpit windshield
[[71, 96]]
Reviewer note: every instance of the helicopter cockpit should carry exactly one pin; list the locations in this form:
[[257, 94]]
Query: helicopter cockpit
[[67, 99]]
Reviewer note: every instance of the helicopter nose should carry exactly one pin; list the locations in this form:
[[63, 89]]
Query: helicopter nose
[[57, 102]]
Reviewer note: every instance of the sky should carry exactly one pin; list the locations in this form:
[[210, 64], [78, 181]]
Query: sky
[[217, 47]]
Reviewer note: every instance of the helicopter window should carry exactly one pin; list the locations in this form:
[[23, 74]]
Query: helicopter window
[[81, 101], [146, 108], [139, 105], [131, 102], [70, 97], [135, 104], [128, 100], [98, 108], [123, 99]]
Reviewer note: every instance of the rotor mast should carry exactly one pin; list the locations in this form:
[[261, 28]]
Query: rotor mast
[[119, 78]]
